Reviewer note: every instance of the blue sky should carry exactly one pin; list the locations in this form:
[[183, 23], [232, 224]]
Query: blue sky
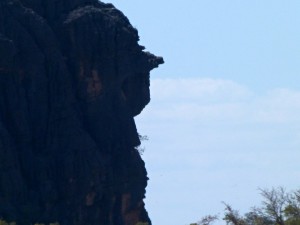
[[225, 112]]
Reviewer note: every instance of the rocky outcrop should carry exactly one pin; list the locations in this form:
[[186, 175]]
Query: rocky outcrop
[[72, 79]]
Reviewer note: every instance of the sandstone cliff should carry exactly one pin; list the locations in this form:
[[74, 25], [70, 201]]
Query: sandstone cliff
[[72, 78]]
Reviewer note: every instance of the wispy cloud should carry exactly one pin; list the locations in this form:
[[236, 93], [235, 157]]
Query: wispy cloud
[[197, 89], [217, 99]]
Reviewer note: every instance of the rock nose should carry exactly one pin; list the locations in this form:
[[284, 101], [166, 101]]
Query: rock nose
[[154, 61], [148, 62]]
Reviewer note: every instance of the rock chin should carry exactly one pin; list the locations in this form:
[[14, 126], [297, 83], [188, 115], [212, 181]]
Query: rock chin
[[72, 79]]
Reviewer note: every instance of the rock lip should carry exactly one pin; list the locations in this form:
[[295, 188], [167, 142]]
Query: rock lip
[[72, 79]]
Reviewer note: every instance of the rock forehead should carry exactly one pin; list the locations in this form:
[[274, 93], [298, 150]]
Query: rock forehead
[[72, 77], [107, 48]]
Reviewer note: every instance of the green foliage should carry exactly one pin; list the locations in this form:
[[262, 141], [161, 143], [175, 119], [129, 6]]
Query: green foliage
[[3, 222], [44, 224], [142, 223], [207, 220], [278, 208]]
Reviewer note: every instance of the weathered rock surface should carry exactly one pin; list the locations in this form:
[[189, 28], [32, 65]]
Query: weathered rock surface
[[72, 78]]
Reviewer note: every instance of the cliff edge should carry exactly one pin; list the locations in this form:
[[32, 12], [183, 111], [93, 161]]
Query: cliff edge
[[72, 79]]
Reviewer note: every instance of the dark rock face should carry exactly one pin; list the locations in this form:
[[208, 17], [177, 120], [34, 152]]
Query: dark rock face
[[72, 78]]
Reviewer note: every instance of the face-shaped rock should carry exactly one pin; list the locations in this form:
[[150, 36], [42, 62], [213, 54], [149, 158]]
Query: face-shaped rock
[[109, 68], [72, 78], [109, 60]]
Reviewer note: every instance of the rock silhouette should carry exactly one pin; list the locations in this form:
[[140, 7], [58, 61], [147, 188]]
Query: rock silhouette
[[72, 79]]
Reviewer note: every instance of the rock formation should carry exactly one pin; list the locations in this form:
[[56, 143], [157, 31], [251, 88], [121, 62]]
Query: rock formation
[[72, 79]]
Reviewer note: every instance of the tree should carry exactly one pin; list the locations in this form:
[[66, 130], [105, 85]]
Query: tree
[[292, 210], [278, 208], [275, 201], [207, 220]]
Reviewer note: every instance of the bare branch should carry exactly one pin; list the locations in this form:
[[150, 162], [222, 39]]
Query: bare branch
[[208, 220]]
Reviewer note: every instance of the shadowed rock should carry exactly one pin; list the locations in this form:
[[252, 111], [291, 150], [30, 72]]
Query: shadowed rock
[[72, 78]]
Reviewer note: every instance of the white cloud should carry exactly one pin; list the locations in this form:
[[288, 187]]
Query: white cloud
[[197, 89], [278, 105], [221, 100]]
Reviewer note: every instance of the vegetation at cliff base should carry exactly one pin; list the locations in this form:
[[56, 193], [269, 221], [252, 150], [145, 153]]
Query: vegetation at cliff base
[[3, 222], [278, 207], [141, 223]]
